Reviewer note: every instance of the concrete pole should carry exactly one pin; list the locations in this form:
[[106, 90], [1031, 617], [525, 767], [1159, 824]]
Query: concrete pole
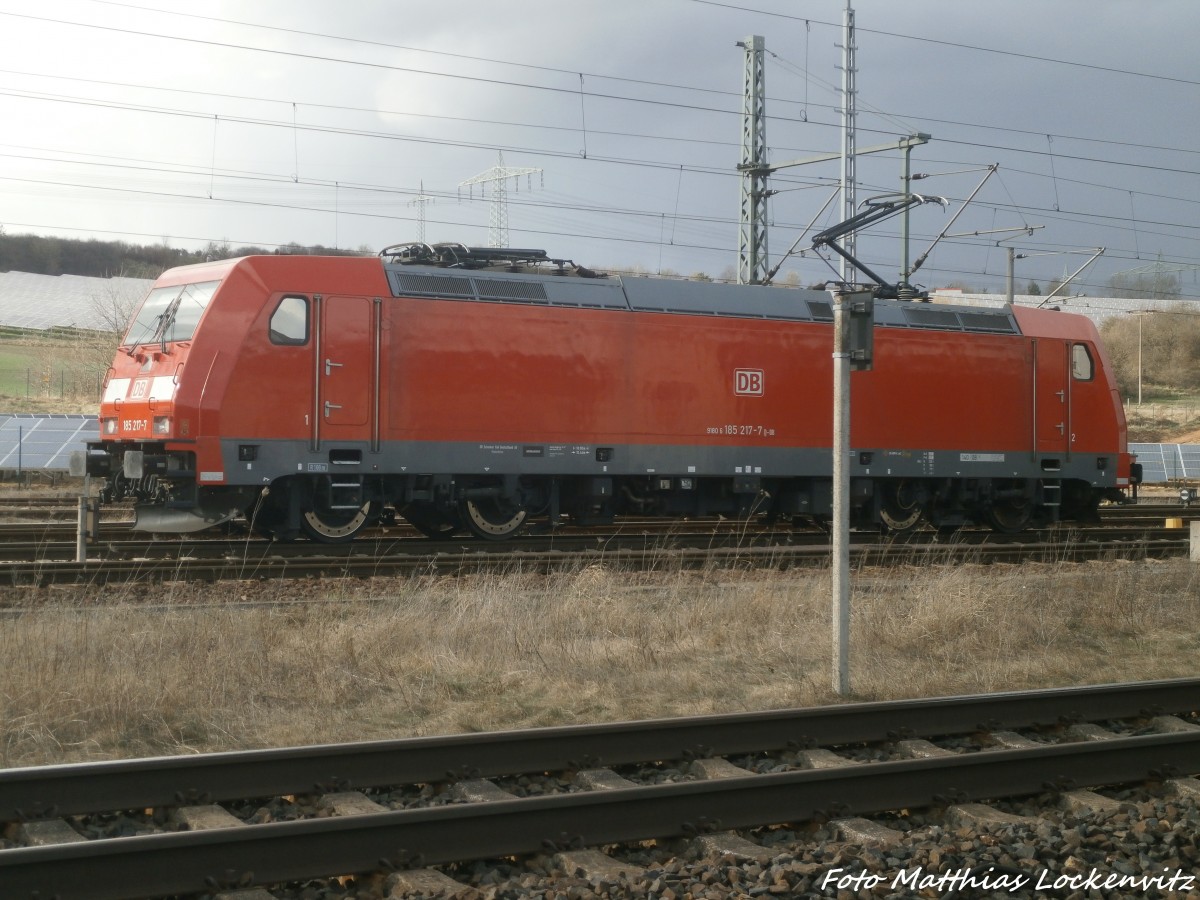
[[840, 564], [81, 533], [1010, 290], [1139, 318]]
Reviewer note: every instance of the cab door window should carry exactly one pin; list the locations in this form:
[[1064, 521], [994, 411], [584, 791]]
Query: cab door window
[[289, 323], [1082, 367]]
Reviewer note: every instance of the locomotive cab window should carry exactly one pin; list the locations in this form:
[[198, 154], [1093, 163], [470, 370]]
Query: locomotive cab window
[[170, 314], [289, 322], [1082, 368]]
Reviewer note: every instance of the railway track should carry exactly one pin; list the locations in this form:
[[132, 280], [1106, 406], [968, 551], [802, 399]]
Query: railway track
[[41, 554], [50, 511], [361, 561], [544, 802]]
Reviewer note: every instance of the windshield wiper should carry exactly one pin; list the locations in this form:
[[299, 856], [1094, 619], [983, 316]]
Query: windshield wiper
[[166, 320]]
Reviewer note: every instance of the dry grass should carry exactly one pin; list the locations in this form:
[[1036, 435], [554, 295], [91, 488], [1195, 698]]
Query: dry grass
[[1173, 423], [232, 666]]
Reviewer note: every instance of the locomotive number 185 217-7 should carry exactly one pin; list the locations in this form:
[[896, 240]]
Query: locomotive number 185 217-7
[[741, 430]]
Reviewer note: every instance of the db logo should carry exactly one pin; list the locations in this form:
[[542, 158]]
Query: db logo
[[748, 382]]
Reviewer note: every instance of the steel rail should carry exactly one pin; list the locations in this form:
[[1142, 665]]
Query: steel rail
[[40, 541], [39, 792], [187, 862], [477, 557], [220, 546]]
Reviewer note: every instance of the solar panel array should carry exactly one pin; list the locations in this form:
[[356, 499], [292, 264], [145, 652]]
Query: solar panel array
[[74, 301], [1164, 463], [29, 442]]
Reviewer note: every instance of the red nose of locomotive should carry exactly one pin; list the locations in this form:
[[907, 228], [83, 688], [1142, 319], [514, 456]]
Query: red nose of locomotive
[[140, 411], [139, 396]]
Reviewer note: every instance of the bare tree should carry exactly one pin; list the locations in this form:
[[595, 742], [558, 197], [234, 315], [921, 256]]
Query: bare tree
[[114, 303], [113, 306], [1166, 346], [1146, 286]]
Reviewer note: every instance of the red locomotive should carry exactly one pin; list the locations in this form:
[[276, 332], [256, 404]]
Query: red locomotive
[[489, 389]]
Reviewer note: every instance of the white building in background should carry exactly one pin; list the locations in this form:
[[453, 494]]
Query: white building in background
[[1095, 308]]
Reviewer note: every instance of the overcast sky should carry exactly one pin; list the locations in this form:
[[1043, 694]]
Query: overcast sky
[[273, 121]]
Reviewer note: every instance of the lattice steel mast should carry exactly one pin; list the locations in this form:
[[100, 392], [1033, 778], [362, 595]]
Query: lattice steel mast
[[752, 232], [753, 264], [497, 176], [419, 202], [849, 136]]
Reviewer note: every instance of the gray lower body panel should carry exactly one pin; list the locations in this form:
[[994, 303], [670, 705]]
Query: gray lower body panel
[[275, 459]]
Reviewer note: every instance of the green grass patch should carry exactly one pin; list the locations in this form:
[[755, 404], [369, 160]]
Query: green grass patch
[[40, 371], [20, 369]]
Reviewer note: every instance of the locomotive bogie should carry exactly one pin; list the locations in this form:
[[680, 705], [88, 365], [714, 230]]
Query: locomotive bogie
[[312, 394]]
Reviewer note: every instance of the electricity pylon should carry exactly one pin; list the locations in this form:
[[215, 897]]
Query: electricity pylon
[[497, 176], [419, 202]]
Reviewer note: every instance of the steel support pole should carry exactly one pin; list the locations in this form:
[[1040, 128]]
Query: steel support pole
[[840, 563]]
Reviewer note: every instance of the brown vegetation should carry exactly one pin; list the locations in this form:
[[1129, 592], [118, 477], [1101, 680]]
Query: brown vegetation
[[181, 669], [1163, 346], [1163, 423]]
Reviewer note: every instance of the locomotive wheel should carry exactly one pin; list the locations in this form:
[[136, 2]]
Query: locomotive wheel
[[432, 521], [1010, 516], [900, 506], [336, 526], [492, 518]]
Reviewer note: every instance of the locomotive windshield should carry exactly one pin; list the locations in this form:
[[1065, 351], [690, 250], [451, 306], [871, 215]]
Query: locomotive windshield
[[170, 314]]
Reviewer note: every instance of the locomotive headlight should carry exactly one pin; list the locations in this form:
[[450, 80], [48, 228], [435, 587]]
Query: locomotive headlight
[[162, 425], [110, 425]]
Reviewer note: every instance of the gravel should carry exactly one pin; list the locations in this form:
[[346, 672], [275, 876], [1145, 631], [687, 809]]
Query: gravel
[[1059, 854]]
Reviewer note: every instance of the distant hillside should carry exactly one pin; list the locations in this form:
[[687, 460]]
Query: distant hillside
[[107, 259]]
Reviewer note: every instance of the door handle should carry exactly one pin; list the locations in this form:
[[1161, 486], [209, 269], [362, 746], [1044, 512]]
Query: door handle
[[329, 406], [330, 365]]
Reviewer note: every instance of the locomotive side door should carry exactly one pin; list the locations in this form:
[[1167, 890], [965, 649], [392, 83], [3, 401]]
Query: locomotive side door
[[1051, 396], [344, 365]]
